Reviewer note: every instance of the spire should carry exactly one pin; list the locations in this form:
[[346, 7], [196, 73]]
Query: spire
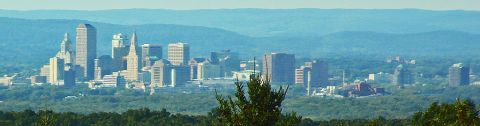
[[133, 44], [65, 37], [65, 45]]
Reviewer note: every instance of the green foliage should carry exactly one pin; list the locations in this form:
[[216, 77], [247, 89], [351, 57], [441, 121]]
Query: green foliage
[[260, 106], [137, 117], [459, 113]]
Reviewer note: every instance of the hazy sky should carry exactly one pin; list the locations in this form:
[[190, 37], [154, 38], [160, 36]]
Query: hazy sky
[[214, 4]]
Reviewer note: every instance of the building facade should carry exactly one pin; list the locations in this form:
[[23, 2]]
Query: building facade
[[279, 68], [150, 52], [120, 49], [193, 63], [161, 73], [402, 75], [86, 49], [458, 75], [133, 61], [229, 61], [56, 71], [207, 70], [178, 53]]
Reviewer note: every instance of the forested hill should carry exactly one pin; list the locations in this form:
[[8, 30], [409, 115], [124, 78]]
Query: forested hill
[[279, 22], [42, 40], [34, 41]]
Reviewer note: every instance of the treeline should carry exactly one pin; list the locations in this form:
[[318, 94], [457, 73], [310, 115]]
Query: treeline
[[260, 105], [137, 117], [459, 113]]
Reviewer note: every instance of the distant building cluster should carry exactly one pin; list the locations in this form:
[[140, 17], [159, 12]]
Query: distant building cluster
[[144, 67], [134, 66]]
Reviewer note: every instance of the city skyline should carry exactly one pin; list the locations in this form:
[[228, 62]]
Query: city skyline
[[234, 4]]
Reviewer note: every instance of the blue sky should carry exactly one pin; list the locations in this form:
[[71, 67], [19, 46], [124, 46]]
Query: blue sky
[[216, 4]]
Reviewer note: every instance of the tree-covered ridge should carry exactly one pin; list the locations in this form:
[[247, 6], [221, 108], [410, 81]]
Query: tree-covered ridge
[[459, 113], [137, 117]]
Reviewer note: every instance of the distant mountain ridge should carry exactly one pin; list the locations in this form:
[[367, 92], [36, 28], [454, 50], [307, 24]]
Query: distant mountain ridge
[[279, 22], [34, 41]]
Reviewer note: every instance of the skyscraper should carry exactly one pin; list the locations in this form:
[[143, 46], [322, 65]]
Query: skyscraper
[[66, 51], [318, 74], [279, 68], [458, 75], [151, 52], [178, 53], [133, 63], [402, 75], [86, 44], [160, 73], [120, 49], [57, 70]]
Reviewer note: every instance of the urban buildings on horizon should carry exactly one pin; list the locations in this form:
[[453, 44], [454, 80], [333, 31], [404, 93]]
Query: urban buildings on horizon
[[141, 67], [138, 67]]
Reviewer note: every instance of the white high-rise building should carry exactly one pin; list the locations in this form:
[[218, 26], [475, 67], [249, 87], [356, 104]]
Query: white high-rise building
[[57, 70], [160, 73], [86, 50], [178, 53]]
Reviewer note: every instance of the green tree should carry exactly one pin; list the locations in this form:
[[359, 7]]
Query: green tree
[[47, 118], [460, 113], [261, 106]]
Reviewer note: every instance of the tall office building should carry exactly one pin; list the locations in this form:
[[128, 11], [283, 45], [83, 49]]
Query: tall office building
[[151, 52], [279, 68], [86, 52], [133, 62], [402, 75], [458, 75], [57, 70], [229, 61], [178, 53], [66, 51], [120, 49], [318, 74], [160, 73]]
